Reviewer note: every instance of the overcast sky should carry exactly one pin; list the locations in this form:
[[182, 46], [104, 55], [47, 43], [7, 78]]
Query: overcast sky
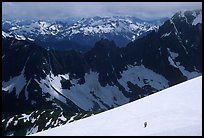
[[57, 10]]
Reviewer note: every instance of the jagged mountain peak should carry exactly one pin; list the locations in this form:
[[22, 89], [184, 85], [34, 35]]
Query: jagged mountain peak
[[103, 78], [191, 17], [105, 43]]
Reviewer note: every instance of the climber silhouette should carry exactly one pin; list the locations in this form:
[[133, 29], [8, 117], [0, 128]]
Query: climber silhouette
[[145, 124]]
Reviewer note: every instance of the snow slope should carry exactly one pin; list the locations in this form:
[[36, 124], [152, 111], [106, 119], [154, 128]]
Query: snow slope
[[174, 111]]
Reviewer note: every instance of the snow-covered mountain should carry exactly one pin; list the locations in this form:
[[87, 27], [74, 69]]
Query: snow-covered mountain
[[175, 111], [114, 25], [75, 85], [84, 32]]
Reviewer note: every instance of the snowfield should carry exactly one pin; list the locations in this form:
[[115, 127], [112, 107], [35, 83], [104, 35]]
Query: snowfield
[[175, 111]]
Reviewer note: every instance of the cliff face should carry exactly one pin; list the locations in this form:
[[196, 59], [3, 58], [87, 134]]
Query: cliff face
[[34, 78]]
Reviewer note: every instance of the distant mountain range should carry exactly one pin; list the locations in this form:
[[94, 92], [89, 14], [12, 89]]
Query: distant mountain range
[[52, 87], [82, 34]]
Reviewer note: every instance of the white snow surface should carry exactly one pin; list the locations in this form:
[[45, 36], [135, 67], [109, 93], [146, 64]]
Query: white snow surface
[[175, 111], [172, 62], [187, 73], [18, 82], [4, 34], [166, 34], [13, 28], [198, 19], [138, 74], [20, 37], [172, 54], [30, 39], [32, 130], [83, 95]]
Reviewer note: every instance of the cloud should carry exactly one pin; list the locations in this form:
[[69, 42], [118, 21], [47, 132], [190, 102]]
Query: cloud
[[53, 10]]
